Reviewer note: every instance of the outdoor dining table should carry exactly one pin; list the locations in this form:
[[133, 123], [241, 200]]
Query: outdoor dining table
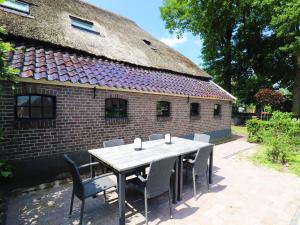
[[124, 160]]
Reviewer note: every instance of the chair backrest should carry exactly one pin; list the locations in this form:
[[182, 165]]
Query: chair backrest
[[153, 137], [202, 137], [158, 179], [113, 142], [77, 182], [201, 159]]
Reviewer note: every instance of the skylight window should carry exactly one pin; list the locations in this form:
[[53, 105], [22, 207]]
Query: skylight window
[[17, 5], [83, 25], [150, 44]]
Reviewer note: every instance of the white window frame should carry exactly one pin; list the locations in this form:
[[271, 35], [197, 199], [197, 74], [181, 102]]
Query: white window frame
[[19, 6], [83, 24]]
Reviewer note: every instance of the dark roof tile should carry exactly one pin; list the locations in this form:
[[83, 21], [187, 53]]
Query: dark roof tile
[[40, 63]]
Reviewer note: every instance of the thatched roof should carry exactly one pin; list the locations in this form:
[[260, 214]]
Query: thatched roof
[[120, 38]]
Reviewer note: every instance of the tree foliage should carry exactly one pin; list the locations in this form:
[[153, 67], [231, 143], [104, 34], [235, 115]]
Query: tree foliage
[[268, 97], [6, 71], [247, 44]]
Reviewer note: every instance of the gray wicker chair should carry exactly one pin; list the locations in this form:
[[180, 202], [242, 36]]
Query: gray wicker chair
[[87, 188], [113, 142], [153, 137], [157, 181], [198, 137], [201, 137], [199, 165]]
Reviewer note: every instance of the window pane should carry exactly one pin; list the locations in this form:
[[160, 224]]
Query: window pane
[[48, 112], [194, 109], [122, 108], [48, 101], [115, 108], [217, 110], [82, 24], [163, 108], [36, 112], [36, 100], [22, 112], [22, 100], [17, 5]]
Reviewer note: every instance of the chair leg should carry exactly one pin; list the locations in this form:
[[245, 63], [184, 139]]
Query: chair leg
[[170, 204], [72, 200], [81, 212], [207, 180], [104, 195], [194, 183], [146, 206]]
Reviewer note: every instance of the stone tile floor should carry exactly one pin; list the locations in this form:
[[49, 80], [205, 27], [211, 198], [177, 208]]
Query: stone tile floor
[[241, 194]]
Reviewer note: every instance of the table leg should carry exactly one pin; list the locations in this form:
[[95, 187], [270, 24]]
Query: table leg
[[121, 198], [180, 177], [211, 159], [92, 167], [175, 187]]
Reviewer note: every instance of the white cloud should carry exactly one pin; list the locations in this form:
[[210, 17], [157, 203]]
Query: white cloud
[[173, 40]]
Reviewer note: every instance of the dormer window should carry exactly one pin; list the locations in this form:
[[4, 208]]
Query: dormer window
[[17, 6], [83, 25]]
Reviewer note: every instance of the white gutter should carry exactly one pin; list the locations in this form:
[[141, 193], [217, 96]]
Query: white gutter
[[224, 90]]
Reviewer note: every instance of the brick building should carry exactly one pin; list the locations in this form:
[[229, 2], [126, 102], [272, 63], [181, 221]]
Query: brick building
[[87, 75]]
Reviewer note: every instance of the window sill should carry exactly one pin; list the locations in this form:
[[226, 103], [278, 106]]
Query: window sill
[[34, 123], [163, 118], [112, 121], [218, 117], [195, 117]]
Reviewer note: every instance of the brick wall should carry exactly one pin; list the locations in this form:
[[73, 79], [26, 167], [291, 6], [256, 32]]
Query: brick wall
[[80, 124]]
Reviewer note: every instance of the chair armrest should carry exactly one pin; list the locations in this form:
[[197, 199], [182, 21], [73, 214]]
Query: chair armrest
[[141, 178], [88, 164], [97, 177], [191, 161]]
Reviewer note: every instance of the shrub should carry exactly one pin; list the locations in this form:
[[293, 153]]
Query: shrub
[[281, 135], [5, 169], [255, 128], [277, 148]]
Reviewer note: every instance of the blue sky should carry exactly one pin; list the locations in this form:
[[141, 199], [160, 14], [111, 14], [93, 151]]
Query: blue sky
[[146, 14]]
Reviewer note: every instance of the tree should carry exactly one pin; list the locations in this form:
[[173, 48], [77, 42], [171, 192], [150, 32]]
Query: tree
[[9, 74], [286, 23], [243, 47], [268, 97], [214, 22]]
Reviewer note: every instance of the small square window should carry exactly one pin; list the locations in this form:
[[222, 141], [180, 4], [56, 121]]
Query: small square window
[[163, 109], [17, 5], [83, 25], [35, 107], [194, 110], [115, 108], [217, 110]]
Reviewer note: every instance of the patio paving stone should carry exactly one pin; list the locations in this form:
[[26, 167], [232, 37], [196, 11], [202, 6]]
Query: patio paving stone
[[241, 194]]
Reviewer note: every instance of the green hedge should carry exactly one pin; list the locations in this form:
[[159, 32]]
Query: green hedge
[[281, 135], [255, 128]]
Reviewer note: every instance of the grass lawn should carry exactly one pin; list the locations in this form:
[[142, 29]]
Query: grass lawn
[[241, 130], [293, 165]]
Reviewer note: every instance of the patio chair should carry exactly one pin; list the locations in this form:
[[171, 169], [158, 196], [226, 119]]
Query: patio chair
[[157, 181], [199, 165], [113, 142], [83, 189], [153, 137], [198, 137]]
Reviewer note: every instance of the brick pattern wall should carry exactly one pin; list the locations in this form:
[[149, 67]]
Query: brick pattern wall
[[80, 124]]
